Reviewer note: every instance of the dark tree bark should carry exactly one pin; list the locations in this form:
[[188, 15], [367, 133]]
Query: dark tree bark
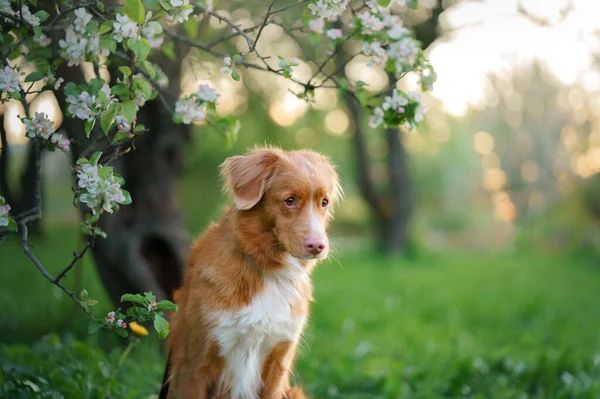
[[393, 207], [24, 198]]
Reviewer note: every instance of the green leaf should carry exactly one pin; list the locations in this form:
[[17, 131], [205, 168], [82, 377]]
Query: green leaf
[[106, 26], [12, 225], [121, 136], [168, 50], [84, 295], [125, 70], [127, 198], [92, 302], [108, 117], [95, 326], [191, 27], [151, 4], [161, 325], [149, 68], [129, 109], [89, 125], [235, 75], [134, 9], [166, 5], [34, 76], [95, 157], [137, 298], [37, 31], [108, 43], [42, 15], [166, 305], [122, 332], [141, 48]]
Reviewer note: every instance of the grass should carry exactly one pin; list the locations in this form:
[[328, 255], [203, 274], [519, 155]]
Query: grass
[[438, 326]]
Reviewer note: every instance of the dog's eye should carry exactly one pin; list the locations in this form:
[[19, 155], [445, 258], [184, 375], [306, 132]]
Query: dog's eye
[[324, 203], [290, 201]]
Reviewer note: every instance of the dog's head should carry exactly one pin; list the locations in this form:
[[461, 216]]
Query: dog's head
[[292, 193]]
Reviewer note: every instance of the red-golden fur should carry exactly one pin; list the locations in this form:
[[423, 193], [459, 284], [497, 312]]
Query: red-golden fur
[[282, 201]]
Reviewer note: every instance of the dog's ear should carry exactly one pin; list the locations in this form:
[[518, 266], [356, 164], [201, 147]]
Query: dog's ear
[[246, 177]]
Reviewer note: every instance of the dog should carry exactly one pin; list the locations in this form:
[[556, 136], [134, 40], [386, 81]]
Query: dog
[[246, 293]]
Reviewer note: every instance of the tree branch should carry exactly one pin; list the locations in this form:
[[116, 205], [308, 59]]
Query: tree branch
[[42, 269]]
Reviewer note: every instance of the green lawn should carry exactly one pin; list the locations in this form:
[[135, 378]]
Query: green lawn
[[437, 326]]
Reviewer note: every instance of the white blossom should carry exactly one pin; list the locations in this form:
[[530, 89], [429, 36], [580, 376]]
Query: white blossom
[[334, 34], [416, 97], [404, 53], [6, 8], [180, 12], [58, 82], [226, 69], [371, 23], [189, 111], [396, 102], [153, 32], [376, 119], [328, 9], [83, 106], [208, 94], [9, 80], [27, 16], [39, 126], [4, 209], [125, 28], [42, 40], [375, 51], [316, 25], [100, 193], [61, 142], [73, 46], [88, 177], [82, 19]]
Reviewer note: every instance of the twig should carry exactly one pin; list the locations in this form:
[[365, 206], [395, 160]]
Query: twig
[[262, 25], [42, 269], [76, 258]]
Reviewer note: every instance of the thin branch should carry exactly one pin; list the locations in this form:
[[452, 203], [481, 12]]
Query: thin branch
[[42, 269], [228, 22], [76, 258], [262, 25]]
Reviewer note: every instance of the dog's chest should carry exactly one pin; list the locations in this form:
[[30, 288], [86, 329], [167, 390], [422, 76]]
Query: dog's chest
[[246, 336]]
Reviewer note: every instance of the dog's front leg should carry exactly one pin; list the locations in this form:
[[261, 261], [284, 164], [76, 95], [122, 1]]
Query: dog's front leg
[[276, 371]]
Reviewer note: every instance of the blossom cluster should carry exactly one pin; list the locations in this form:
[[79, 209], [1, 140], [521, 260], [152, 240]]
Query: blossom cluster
[[399, 109], [43, 128], [82, 40], [194, 108], [100, 188], [111, 320], [125, 28], [88, 106], [328, 9], [27, 16], [386, 41], [9, 83], [178, 11], [4, 218]]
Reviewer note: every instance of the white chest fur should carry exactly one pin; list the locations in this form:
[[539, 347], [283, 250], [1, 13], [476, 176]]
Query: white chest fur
[[246, 336]]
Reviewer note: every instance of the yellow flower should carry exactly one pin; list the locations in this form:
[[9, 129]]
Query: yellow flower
[[137, 329]]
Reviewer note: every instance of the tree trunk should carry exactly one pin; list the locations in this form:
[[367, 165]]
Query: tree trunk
[[25, 199], [396, 227], [147, 243], [393, 207]]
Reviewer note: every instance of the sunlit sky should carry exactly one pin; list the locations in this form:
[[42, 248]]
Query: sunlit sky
[[492, 36]]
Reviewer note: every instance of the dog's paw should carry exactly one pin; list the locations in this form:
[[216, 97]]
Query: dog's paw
[[295, 393]]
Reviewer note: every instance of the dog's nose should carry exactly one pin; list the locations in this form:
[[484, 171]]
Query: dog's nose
[[314, 245]]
